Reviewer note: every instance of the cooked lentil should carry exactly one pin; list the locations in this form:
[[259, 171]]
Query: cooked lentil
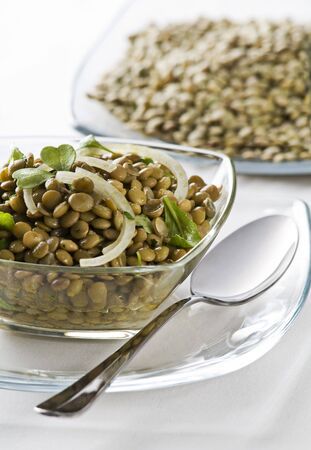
[[83, 184], [81, 202]]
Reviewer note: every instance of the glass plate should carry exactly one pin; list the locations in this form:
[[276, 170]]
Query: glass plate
[[92, 117], [202, 342]]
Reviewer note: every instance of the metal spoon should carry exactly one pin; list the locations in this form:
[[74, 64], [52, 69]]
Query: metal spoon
[[240, 267]]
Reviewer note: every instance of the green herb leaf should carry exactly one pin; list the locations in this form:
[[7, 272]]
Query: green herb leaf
[[89, 142], [179, 241], [183, 232], [16, 154], [147, 160], [4, 243], [128, 215], [139, 260], [31, 177], [6, 221], [59, 158], [169, 174], [7, 306], [145, 222]]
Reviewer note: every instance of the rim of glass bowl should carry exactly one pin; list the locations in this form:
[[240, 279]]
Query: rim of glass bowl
[[229, 169]]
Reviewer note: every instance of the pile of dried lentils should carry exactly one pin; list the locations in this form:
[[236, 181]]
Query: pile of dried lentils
[[243, 88]]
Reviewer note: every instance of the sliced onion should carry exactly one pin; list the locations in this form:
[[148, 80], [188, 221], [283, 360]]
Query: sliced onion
[[66, 177], [108, 166], [112, 251], [45, 167], [157, 155], [91, 151], [29, 201], [106, 190], [127, 232]]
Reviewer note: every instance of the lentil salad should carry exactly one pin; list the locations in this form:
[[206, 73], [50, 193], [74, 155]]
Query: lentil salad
[[101, 207], [54, 292]]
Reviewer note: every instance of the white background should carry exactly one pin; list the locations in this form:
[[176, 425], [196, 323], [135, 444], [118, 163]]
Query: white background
[[41, 45], [264, 406]]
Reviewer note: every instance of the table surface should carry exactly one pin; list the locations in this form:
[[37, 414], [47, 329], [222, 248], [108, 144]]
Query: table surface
[[264, 406]]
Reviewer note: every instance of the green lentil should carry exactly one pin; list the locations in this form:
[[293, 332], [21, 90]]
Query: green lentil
[[64, 257], [83, 184], [31, 239], [51, 198]]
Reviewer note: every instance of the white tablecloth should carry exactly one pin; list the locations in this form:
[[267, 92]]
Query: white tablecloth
[[264, 406]]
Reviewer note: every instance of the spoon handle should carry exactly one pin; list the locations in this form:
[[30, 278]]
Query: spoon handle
[[82, 392]]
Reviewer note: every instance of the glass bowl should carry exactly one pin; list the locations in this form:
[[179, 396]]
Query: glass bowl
[[91, 116], [30, 301]]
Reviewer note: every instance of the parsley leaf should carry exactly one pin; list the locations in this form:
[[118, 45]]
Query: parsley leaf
[[89, 142], [59, 158], [31, 177], [16, 154], [145, 222], [6, 222], [147, 161], [183, 232], [139, 260], [128, 215]]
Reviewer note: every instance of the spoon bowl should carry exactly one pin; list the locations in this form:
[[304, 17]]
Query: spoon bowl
[[248, 261]]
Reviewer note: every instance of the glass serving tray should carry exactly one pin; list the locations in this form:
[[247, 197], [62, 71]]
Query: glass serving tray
[[202, 342], [90, 116]]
